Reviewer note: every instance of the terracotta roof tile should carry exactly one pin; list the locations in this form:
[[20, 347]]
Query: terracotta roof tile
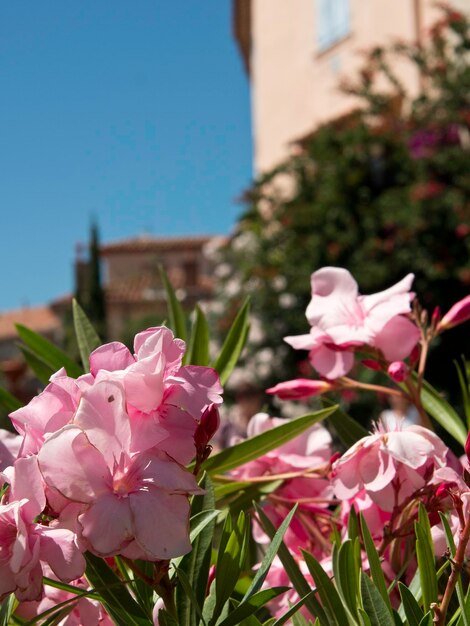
[[147, 243], [40, 319]]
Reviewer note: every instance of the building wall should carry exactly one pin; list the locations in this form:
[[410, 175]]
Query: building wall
[[295, 82]]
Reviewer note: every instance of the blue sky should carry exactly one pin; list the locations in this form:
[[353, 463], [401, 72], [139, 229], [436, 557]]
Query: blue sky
[[134, 112]]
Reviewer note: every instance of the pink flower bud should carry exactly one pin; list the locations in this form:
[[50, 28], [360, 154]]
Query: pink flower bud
[[372, 365], [398, 371], [443, 490], [436, 316], [457, 314], [207, 427], [415, 354], [300, 388]]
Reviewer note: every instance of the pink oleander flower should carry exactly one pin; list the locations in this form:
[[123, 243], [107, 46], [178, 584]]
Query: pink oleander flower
[[9, 447], [457, 314], [133, 503], [300, 388], [374, 516], [297, 461], [164, 399], [84, 610], [25, 544], [342, 319], [47, 412], [389, 465]]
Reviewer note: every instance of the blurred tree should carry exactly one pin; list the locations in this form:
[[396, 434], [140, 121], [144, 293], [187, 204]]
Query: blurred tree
[[383, 192], [89, 289]]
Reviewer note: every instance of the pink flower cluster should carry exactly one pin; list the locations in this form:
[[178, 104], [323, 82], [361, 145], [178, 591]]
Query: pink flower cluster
[[101, 463], [303, 465], [381, 476], [341, 320]]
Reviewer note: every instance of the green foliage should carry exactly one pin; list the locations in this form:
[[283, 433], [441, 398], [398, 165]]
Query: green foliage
[[383, 193]]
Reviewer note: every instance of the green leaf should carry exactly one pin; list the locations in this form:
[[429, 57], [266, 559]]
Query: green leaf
[[47, 352], [175, 310], [250, 606], [348, 430], [427, 620], [42, 371], [413, 612], [293, 609], [464, 386], [329, 596], [196, 564], [426, 563], [296, 577], [443, 413], [234, 343], [459, 587], [7, 607], [347, 574], [365, 621], [374, 563], [198, 350], [269, 556], [87, 337], [115, 597], [184, 581], [374, 605], [265, 442], [8, 401], [353, 524], [165, 619], [228, 566]]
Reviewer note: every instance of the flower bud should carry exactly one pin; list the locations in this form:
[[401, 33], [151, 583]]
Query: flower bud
[[398, 371], [300, 388], [457, 314], [207, 427]]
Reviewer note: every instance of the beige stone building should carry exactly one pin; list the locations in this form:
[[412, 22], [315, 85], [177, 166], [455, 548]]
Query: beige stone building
[[134, 289], [297, 51]]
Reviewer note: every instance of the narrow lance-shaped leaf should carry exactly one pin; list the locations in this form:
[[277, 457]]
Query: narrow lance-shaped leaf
[[47, 352], [116, 599], [347, 429], [465, 617], [196, 564], [41, 370], [177, 316], [375, 565], [245, 609], [269, 556], [198, 350], [87, 337], [261, 444], [329, 596], [8, 401], [443, 413], [412, 610], [426, 566], [374, 605], [233, 344], [296, 577], [346, 571]]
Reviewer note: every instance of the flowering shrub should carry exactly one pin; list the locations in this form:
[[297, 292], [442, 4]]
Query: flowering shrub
[[113, 509]]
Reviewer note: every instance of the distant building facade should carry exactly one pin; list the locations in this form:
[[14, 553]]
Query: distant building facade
[[133, 293], [132, 280], [297, 51]]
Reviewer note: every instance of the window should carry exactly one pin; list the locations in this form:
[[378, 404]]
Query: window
[[332, 21]]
